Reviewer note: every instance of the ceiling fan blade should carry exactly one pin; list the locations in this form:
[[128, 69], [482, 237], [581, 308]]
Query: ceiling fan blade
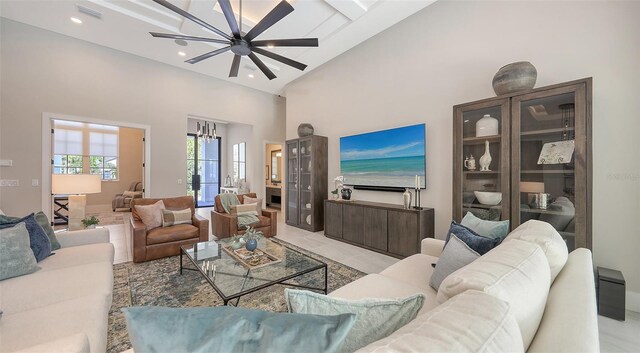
[[207, 55], [300, 42], [265, 70], [180, 36], [225, 5], [235, 65], [189, 16], [298, 65], [279, 12]]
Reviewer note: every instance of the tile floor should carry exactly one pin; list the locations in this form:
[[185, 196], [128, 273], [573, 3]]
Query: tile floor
[[615, 336]]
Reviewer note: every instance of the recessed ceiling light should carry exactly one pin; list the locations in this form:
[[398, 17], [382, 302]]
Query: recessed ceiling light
[[251, 76], [181, 53], [270, 46], [76, 20]]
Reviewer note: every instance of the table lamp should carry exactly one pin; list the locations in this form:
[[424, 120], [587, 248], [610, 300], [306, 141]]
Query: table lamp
[[532, 188], [76, 186]]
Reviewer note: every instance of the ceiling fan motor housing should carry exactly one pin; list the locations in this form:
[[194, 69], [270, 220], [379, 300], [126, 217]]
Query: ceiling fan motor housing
[[240, 47]]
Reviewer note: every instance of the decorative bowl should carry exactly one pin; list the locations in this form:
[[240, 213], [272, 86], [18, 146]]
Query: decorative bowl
[[488, 198]]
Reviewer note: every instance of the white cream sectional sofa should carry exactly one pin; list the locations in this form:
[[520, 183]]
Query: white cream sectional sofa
[[64, 306], [524, 295]]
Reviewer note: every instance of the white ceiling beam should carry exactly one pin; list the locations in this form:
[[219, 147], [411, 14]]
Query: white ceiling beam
[[352, 9]]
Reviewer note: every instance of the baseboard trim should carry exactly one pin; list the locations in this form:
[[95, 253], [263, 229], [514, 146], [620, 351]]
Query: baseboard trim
[[633, 301]]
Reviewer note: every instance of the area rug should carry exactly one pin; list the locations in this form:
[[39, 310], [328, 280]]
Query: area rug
[[159, 283]]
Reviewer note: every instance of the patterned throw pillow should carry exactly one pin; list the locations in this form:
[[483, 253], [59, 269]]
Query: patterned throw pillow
[[151, 215], [257, 201], [172, 218], [244, 209]]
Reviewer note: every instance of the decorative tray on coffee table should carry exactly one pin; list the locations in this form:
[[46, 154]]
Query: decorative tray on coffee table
[[252, 259]]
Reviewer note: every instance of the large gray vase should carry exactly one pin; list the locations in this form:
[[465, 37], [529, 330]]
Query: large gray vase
[[515, 77], [305, 129]]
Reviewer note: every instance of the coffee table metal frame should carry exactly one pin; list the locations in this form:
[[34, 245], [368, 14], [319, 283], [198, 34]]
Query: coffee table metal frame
[[269, 283]]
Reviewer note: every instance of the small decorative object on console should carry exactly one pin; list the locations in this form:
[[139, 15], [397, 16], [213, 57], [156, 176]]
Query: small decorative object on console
[[515, 77], [487, 126], [305, 129], [406, 198], [488, 198], [346, 194], [470, 163]]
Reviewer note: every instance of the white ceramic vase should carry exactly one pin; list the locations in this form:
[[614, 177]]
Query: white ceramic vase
[[406, 199], [485, 160], [487, 126]]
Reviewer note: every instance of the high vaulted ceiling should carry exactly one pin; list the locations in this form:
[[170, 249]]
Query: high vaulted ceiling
[[125, 25]]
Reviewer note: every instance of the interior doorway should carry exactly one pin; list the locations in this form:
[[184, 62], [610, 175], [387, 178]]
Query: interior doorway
[[273, 175], [203, 169]]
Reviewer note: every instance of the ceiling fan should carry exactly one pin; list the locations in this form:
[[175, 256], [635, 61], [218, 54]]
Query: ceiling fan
[[243, 44]]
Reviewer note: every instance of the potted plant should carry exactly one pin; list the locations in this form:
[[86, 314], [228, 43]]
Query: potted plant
[[236, 241], [91, 222], [251, 237]]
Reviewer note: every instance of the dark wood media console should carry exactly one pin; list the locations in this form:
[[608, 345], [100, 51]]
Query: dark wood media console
[[385, 228]]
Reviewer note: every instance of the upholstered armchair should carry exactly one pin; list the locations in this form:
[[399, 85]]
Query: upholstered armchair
[[122, 202], [225, 225], [165, 241]]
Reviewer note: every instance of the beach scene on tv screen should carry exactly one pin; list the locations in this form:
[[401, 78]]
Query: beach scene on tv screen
[[388, 158]]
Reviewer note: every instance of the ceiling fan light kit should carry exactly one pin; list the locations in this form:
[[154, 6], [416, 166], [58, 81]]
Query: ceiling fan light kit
[[243, 45]]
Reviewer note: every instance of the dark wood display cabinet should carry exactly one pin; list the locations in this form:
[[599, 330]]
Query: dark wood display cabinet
[[306, 184], [385, 228], [541, 159]]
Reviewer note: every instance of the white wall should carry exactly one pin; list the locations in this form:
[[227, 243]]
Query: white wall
[[238, 133], [47, 72], [448, 53]]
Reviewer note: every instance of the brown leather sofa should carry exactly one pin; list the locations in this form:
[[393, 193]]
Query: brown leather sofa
[[162, 242], [225, 225]]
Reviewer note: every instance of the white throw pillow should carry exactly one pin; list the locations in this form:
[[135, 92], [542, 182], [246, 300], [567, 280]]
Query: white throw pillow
[[516, 272], [471, 322], [544, 235]]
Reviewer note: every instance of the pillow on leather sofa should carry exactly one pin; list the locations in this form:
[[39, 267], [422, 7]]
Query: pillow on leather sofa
[[545, 236], [257, 201], [151, 215], [231, 329], [447, 328], [516, 272]]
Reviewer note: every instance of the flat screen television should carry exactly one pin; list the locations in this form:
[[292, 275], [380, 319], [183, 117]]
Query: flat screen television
[[384, 160]]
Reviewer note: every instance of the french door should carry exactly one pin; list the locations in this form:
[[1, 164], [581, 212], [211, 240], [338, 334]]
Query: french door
[[203, 169]]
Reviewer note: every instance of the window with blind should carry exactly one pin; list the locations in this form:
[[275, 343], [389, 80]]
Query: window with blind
[[85, 148]]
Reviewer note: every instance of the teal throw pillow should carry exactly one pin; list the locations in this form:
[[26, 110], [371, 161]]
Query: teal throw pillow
[[490, 229], [39, 242], [231, 329], [43, 221], [375, 318], [456, 254], [16, 257]]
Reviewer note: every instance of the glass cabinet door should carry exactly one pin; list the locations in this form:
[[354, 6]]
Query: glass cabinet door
[[481, 160], [549, 166], [306, 203], [292, 196]]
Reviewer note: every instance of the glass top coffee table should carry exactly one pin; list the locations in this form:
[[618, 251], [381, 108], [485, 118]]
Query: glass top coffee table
[[231, 276]]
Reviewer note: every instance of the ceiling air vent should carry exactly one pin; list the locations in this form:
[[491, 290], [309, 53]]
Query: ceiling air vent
[[90, 12]]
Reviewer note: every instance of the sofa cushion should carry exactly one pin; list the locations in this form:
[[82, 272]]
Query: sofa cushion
[[375, 318], [516, 272], [45, 288], [88, 315], [77, 256], [470, 322], [477, 242], [16, 257], [38, 239], [76, 343], [544, 235], [218, 203], [489, 229], [173, 233], [379, 286], [456, 254], [415, 270], [151, 215], [258, 201], [231, 329]]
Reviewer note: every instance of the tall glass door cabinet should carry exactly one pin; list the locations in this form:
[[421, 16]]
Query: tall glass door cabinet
[[540, 160], [306, 184]]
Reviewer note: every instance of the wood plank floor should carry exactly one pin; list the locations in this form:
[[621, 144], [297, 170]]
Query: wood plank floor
[[615, 336]]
